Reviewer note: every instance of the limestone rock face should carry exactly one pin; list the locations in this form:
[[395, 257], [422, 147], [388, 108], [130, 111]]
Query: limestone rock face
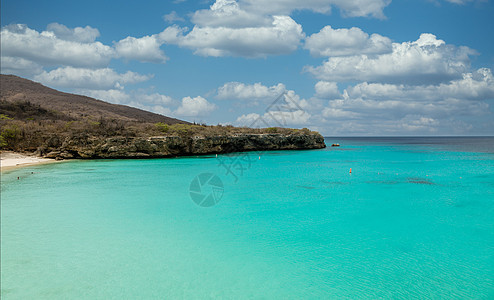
[[141, 147]]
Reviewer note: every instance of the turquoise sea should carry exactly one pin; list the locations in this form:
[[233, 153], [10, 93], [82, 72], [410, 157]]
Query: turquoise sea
[[414, 220]]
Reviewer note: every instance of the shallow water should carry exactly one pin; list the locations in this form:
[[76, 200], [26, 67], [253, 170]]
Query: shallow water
[[414, 219]]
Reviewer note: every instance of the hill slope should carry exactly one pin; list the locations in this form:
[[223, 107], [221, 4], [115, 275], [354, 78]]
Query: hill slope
[[47, 103]]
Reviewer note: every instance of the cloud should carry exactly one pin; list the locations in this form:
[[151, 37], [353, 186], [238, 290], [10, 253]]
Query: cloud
[[19, 66], [349, 8], [287, 118], [281, 37], [380, 108], [478, 85], [274, 119], [193, 107], [425, 60], [173, 17], [259, 28], [361, 108], [287, 109], [346, 42], [156, 99], [256, 91], [463, 2], [255, 13], [95, 79], [227, 13], [248, 119], [455, 107], [144, 49], [47, 49], [155, 102], [327, 90], [114, 96], [86, 34], [25, 51], [408, 125], [338, 113]]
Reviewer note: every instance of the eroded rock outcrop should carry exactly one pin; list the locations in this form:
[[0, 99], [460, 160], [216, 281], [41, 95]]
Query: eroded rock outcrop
[[169, 146]]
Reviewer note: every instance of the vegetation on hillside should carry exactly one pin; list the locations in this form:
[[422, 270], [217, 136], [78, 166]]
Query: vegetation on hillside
[[26, 127]]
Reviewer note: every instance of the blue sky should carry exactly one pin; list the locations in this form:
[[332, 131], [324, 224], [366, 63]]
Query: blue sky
[[353, 67]]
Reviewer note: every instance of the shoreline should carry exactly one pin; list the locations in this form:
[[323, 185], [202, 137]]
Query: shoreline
[[10, 160]]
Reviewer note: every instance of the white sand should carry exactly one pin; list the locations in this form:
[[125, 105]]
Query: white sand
[[10, 160]]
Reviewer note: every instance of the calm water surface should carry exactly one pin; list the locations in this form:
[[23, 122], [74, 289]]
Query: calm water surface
[[414, 219]]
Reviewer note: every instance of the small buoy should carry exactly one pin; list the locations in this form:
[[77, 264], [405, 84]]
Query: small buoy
[[350, 170], [216, 154], [259, 157]]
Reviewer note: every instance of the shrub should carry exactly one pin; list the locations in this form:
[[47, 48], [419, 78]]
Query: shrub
[[5, 117], [9, 136], [162, 127], [3, 142]]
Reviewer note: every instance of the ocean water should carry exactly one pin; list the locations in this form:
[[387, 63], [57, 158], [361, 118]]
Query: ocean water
[[414, 220]]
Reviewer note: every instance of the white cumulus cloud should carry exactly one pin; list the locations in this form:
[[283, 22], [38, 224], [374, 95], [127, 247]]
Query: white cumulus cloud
[[287, 109], [192, 107], [144, 49], [383, 108], [155, 102], [462, 2], [114, 96], [274, 119], [83, 78], [227, 13], [173, 17], [259, 28], [338, 113], [426, 60], [242, 91], [47, 49], [282, 36], [19, 66], [350, 8], [86, 34], [248, 119], [346, 42], [326, 89], [478, 85]]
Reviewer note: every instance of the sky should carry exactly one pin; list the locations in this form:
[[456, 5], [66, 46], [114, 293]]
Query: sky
[[341, 67]]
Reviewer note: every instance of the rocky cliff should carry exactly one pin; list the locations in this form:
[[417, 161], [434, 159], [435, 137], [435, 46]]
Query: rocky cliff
[[170, 146]]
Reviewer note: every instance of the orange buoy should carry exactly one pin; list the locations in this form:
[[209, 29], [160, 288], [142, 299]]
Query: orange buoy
[[350, 170]]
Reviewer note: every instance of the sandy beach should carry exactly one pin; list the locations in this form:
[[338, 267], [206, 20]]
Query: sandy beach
[[11, 160]]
